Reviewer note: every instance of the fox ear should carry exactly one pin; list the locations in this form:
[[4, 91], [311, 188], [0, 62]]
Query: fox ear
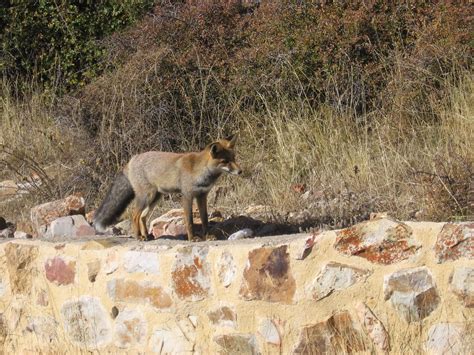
[[214, 148], [232, 139]]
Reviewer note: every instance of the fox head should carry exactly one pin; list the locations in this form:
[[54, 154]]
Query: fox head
[[223, 156]]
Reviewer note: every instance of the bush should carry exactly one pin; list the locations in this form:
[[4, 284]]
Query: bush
[[56, 42]]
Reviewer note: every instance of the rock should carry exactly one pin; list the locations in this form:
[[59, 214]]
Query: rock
[[269, 331], [237, 344], [70, 226], [374, 328], [227, 269], [45, 328], [241, 234], [412, 293], [381, 241], [139, 261], [21, 266], [130, 329], [448, 339], [124, 227], [121, 290], [336, 277], [7, 233], [462, 284], [43, 215], [86, 322], [456, 240], [336, 335], [171, 224], [59, 271], [21, 235], [164, 341], [93, 269], [268, 276], [223, 317], [191, 274]]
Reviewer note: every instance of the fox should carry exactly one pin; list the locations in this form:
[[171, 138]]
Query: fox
[[149, 175]]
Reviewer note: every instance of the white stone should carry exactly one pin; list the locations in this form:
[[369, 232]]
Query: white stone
[[335, 277], [227, 269], [21, 235], [241, 234], [139, 261], [164, 341], [269, 331], [86, 322], [130, 329], [447, 339], [70, 226]]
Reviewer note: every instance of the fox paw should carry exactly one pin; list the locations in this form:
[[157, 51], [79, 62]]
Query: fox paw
[[196, 239]]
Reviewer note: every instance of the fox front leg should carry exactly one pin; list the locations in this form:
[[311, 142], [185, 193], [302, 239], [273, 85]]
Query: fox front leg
[[202, 205], [187, 202]]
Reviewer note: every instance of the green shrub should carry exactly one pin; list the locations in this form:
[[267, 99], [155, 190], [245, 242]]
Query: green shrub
[[56, 42]]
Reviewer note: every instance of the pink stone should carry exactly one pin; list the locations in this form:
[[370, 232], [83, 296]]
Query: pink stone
[[60, 272], [381, 241], [43, 215], [456, 240], [462, 284]]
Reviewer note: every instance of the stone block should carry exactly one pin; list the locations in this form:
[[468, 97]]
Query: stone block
[[335, 277], [226, 269], [191, 274], [43, 215], [338, 334], [223, 317], [60, 271], [412, 293], [462, 284], [448, 339], [121, 290], [268, 276], [70, 227], [237, 344], [381, 241], [456, 240], [140, 261], [130, 329], [86, 323], [21, 266]]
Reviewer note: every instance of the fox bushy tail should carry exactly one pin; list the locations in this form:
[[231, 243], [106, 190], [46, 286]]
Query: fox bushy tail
[[115, 202]]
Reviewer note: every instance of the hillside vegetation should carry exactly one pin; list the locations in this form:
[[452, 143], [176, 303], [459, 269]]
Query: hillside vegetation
[[343, 108]]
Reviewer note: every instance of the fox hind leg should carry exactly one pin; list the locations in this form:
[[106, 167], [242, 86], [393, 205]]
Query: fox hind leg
[[144, 205]]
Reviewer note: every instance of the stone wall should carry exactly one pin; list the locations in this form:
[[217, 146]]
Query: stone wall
[[380, 286]]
